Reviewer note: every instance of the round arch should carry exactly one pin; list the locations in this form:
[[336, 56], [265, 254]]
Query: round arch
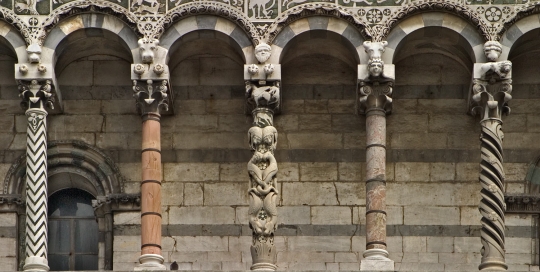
[[515, 31], [14, 40], [326, 17], [61, 31], [73, 157], [237, 37], [435, 19]]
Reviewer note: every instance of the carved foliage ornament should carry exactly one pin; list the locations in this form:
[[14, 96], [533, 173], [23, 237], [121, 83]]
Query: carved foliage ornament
[[34, 92], [146, 95]]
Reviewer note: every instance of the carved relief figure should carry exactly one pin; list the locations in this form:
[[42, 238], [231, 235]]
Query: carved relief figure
[[262, 7], [27, 6], [138, 6]]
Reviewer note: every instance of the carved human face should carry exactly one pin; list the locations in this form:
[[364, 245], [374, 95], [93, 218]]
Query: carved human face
[[375, 68], [262, 52], [492, 50]]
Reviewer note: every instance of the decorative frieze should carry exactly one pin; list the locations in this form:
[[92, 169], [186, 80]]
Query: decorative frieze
[[491, 91], [522, 204], [263, 100], [375, 83]]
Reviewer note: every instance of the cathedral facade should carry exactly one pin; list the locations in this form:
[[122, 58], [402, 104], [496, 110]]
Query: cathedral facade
[[387, 135]]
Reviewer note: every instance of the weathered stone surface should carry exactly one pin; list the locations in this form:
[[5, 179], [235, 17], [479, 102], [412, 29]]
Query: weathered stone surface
[[320, 141], [201, 215], [127, 218], [236, 194], [172, 193], [322, 215], [440, 244], [314, 243], [414, 244], [318, 171], [300, 193], [431, 215], [191, 171]]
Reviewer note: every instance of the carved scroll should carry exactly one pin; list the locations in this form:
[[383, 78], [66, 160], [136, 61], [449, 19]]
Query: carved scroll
[[490, 95], [262, 170]]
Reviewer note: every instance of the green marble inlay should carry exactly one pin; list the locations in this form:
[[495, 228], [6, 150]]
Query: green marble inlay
[[147, 7], [6, 4]]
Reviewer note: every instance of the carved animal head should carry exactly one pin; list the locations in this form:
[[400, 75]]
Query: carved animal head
[[34, 53], [375, 49], [493, 50], [263, 52], [148, 48]]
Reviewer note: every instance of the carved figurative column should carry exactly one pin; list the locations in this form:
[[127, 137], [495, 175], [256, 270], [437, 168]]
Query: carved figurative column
[[263, 97], [37, 88], [375, 82], [152, 94], [492, 86]]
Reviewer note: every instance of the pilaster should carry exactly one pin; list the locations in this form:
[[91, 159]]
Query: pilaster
[[263, 100], [153, 97], [375, 85], [36, 94], [492, 86]]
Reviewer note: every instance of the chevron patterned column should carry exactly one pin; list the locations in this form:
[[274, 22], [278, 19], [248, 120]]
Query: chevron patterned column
[[492, 88], [35, 94]]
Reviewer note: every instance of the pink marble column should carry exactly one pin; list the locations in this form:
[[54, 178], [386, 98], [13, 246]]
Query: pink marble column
[[376, 179]]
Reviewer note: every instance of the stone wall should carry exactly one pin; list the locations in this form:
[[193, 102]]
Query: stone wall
[[432, 160]]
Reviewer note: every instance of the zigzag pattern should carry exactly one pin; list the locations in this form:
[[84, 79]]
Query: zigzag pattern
[[36, 187]]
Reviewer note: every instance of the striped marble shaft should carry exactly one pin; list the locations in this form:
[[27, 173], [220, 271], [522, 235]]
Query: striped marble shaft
[[36, 183]]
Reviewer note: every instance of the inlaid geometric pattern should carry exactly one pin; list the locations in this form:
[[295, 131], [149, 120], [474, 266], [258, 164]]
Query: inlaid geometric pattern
[[36, 184]]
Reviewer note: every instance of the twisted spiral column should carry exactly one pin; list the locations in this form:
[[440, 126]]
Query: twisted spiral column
[[492, 205], [36, 190]]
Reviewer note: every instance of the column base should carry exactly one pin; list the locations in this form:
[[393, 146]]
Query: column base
[[493, 264], [264, 267], [150, 262], [35, 263], [376, 260]]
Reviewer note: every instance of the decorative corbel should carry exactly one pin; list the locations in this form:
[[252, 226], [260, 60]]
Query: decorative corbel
[[262, 101], [490, 93], [38, 80]]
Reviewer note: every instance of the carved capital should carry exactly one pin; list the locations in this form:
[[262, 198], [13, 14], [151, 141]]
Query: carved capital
[[36, 94], [375, 88], [116, 202], [263, 94], [492, 85], [152, 96], [12, 203]]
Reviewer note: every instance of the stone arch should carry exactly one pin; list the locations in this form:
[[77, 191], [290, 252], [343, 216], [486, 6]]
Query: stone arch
[[15, 32], [319, 16], [72, 157], [56, 33], [401, 30], [521, 24], [208, 16]]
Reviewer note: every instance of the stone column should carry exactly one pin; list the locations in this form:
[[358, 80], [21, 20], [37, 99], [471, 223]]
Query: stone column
[[492, 86], [152, 95], [375, 83], [263, 99], [35, 95]]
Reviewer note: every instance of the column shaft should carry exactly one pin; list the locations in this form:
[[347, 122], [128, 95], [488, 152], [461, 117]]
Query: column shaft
[[492, 205], [151, 191], [376, 179], [36, 190]]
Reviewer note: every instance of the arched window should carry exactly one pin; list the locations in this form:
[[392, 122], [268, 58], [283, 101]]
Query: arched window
[[73, 231]]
